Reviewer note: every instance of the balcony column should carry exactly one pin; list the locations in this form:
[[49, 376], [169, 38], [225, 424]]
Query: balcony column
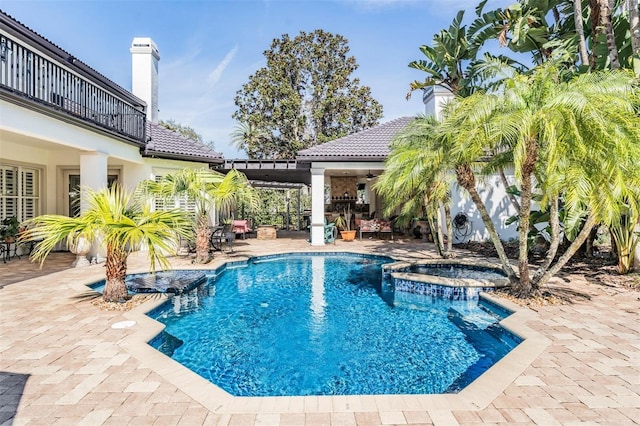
[[317, 206], [93, 174]]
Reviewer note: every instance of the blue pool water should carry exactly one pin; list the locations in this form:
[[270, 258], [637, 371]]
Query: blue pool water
[[326, 325]]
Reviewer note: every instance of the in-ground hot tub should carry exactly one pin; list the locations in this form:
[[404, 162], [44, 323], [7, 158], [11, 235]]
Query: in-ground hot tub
[[448, 278]]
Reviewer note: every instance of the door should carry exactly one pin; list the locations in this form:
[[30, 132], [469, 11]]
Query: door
[[72, 189]]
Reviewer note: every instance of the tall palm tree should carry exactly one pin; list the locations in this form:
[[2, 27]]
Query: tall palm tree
[[248, 137], [453, 61], [578, 22], [208, 190], [578, 139], [634, 29], [122, 223], [602, 23]]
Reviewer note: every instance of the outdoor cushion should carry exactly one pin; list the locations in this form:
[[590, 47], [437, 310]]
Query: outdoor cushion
[[385, 226], [241, 227], [368, 226]]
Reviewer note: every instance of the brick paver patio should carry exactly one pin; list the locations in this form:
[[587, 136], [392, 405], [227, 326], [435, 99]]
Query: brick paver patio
[[62, 363]]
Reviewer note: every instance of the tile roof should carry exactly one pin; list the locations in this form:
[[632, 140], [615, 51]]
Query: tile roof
[[369, 144], [165, 143]]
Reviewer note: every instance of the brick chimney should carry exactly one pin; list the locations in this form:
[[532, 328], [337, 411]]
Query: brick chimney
[[144, 74]]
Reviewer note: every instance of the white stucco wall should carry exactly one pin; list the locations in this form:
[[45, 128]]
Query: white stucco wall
[[493, 193], [32, 139], [34, 125]]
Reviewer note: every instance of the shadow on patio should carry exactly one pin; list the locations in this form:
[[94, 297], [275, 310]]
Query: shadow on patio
[[11, 391]]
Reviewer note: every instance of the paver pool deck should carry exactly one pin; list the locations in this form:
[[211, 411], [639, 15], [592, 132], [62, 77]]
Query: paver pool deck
[[62, 363]]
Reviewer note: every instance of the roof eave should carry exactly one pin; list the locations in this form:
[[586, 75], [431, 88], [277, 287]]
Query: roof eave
[[350, 159], [170, 156]]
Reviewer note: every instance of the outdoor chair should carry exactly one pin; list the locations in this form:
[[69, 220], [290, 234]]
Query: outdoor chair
[[219, 237], [367, 227], [330, 232], [385, 227], [241, 227]]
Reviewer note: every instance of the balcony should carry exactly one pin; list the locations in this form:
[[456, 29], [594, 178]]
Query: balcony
[[37, 81]]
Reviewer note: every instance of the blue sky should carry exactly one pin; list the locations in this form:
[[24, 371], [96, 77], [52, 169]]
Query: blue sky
[[208, 49]]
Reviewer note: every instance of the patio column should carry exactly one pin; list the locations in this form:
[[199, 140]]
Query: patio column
[[93, 174], [317, 207]]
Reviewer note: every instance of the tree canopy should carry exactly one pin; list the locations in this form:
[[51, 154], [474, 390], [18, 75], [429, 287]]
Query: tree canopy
[[186, 131], [305, 95]]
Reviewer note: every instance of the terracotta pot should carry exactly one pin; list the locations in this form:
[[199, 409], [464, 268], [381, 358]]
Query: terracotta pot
[[348, 235]]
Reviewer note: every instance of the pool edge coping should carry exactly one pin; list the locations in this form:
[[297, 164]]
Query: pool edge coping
[[476, 396]]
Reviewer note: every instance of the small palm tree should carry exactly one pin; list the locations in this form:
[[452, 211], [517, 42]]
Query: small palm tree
[[122, 223], [208, 190]]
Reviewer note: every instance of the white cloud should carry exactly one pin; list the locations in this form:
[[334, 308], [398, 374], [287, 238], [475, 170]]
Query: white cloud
[[193, 51], [215, 75]]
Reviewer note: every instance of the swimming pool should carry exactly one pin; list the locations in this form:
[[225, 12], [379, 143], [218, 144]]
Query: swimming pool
[[326, 325]]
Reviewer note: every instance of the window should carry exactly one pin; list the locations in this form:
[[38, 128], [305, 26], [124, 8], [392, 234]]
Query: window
[[19, 192], [180, 202]]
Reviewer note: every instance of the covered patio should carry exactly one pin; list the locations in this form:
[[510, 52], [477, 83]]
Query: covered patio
[[341, 174]]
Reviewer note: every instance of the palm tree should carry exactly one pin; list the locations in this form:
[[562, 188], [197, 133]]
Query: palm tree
[[602, 23], [207, 189], [412, 185], [578, 140], [582, 43], [634, 29], [248, 137], [122, 223], [453, 62]]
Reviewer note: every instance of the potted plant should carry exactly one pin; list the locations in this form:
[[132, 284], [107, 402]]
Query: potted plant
[[10, 229], [227, 224], [343, 222]]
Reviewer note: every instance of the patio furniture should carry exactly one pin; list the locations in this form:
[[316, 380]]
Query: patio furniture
[[266, 232], [241, 227], [375, 226], [367, 227], [385, 227], [5, 250], [220, 237], [330, 232]]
